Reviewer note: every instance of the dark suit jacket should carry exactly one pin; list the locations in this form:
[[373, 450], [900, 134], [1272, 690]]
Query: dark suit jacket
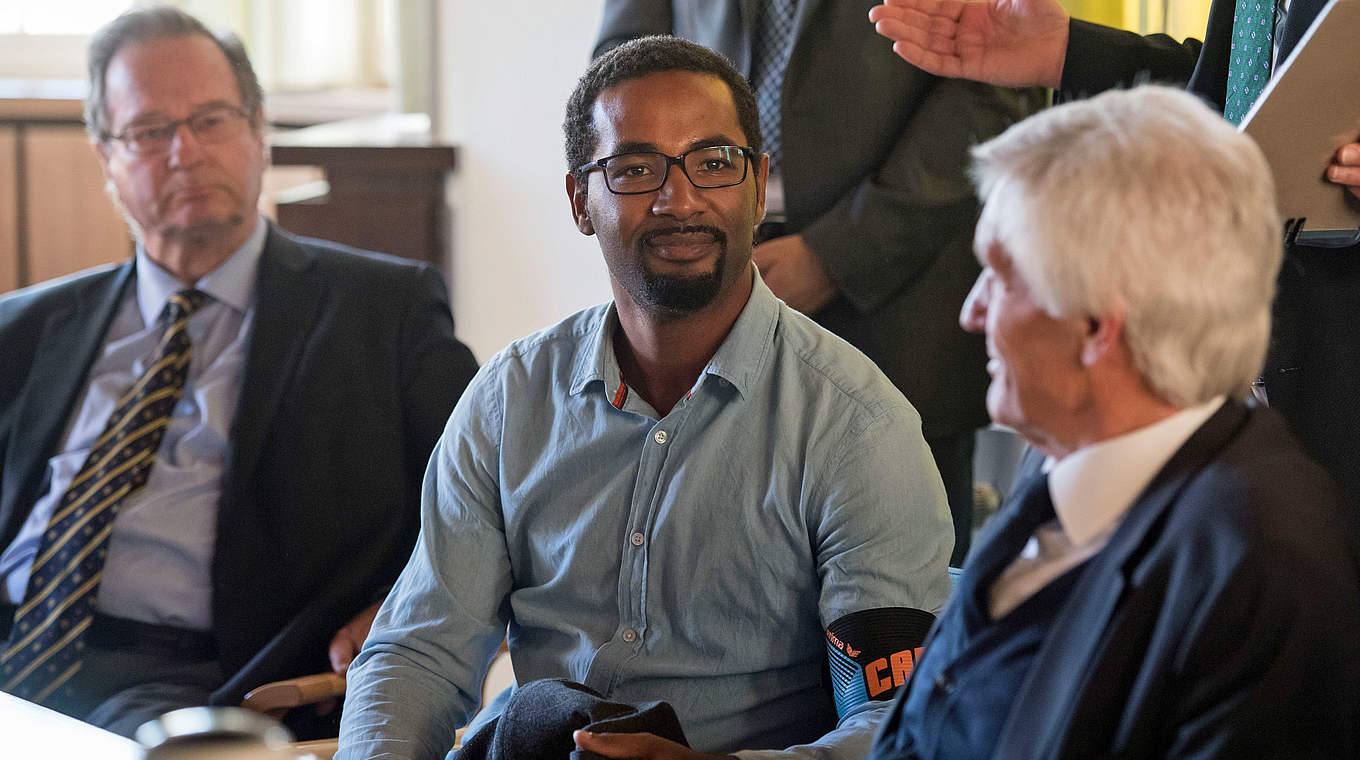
[[1220, 620], [352, 371], [874, 159], [1312, 372], [1100, 58]]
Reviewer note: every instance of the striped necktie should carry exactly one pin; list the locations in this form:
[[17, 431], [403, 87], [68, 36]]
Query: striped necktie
[[1249, 56], [45, 645]]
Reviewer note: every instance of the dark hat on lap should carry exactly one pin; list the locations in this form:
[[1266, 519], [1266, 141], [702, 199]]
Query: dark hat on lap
[[540, 717]]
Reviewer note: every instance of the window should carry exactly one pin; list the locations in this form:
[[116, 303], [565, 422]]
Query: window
[[61, 18], [295, 44]]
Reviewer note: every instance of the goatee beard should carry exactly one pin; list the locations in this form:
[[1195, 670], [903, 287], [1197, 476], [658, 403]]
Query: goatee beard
[[683, 294]]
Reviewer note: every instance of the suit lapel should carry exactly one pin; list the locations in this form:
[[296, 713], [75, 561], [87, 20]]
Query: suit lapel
[[807, 10], [1301, 15], [52, 389], [734, 30], [803, 14], [287, 296], [998, 545], [1044, 706]]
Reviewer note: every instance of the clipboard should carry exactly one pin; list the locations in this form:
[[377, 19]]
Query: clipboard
[[1309, 109]]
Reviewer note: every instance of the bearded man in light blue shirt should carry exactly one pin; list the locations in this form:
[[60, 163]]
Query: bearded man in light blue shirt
[[674, 496]]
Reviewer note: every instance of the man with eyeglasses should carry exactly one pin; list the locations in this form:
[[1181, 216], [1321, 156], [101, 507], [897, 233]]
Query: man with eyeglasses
[[212, 453], [869, 213], [691, 494]]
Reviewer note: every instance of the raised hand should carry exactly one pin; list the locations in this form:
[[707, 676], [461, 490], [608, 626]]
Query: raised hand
[[1013, 43]]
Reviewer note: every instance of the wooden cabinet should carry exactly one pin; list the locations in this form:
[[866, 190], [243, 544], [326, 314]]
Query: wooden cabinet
[[9, 208], [383, 186], [55, 217], [75, 224]]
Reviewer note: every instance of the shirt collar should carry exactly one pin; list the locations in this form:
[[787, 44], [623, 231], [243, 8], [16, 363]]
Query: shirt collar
[[740, 359], [1094, 486], [596, 354], [232, 282]]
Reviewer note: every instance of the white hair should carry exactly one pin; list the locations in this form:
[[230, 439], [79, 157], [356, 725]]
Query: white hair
[[1148, 201]]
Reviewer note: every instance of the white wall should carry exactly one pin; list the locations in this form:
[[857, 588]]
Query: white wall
[[518, 263]]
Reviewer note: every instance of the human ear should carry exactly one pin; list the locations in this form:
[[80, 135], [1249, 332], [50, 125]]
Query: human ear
[[1103, 334], [576, 194]]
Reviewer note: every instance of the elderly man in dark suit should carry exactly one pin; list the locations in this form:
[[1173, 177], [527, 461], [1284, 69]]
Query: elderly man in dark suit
[[1312, 372], [870, 215], [212, 453], [1182, 581]]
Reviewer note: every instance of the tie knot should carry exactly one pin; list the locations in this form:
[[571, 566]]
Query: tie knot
[[185, 303]]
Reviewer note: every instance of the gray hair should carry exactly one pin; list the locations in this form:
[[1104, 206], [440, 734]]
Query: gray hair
[[1149, 201], [158, 22]]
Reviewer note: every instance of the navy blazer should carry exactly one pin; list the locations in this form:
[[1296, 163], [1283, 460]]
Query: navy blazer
[[351, 372], [1220, 620]]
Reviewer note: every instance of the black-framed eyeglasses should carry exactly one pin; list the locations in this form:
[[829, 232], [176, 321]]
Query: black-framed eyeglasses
[[645, 171], [214, 124]]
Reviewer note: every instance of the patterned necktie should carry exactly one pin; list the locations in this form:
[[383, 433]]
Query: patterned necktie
[[1249, 56], [59, 603], [769, 58]]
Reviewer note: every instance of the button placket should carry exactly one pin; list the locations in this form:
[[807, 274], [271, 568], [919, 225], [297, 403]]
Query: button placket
[[633, 581]]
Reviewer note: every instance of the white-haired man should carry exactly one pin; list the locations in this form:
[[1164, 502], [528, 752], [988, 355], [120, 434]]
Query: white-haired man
[[1182, 581]]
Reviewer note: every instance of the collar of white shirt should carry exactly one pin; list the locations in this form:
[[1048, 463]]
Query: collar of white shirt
[[1092, 489], [1094, 486]]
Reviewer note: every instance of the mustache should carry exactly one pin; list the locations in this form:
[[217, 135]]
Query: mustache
[[649, 237]]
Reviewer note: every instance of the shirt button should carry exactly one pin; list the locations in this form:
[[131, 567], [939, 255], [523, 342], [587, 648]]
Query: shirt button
[[659, 436], [944, 684], [637, 539], [629, 636]]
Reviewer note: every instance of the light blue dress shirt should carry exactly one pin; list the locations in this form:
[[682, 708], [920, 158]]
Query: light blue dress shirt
[[695, 558], [158, 568]]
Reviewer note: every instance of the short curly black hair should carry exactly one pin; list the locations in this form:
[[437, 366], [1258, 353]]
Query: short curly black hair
[[638, 58]]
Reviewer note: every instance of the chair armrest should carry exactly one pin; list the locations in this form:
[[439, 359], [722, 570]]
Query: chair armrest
[[275, 699]]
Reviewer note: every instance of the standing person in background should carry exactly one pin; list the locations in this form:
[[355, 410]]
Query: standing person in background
[[870, 215], [1312, 372]]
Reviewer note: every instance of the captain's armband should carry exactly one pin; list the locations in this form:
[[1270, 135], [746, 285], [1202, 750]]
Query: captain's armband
[[872, 652]]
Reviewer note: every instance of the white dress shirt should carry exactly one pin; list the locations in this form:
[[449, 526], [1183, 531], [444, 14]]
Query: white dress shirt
[[1092, 489]]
